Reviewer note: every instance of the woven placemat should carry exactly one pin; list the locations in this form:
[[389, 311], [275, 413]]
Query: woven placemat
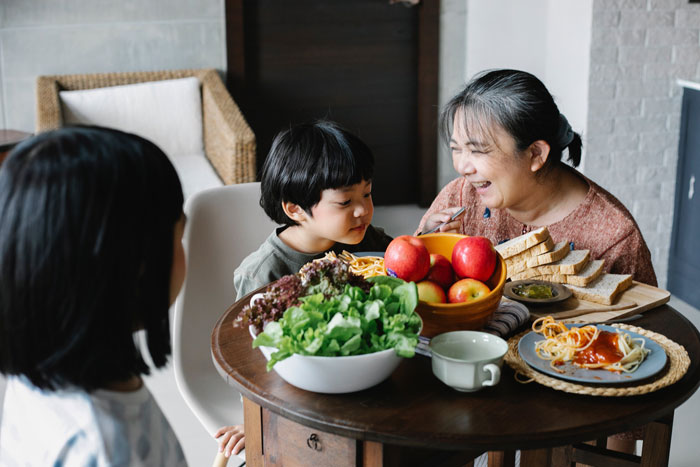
[[678, 363]]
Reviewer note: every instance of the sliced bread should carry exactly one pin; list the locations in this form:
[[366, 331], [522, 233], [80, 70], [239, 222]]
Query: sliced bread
[[588, 274], [572, 263], [527, 273], [519, 244], [531, 252], [603, 290], [557, 252], [515, 267]]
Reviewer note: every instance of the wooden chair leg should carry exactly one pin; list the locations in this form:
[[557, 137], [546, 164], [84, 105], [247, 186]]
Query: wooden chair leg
[[656, 449], [585, 454]]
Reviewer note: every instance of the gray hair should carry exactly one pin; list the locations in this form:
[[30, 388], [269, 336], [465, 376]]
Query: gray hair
[[519, 103]]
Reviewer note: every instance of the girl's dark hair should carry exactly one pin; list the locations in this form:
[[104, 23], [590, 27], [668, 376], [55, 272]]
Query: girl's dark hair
[[308, 158], [87, 218], [521, 104]]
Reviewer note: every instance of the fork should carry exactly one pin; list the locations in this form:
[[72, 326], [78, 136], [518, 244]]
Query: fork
[[454, 216]]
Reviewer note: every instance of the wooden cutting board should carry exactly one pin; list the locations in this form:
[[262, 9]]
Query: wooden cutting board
[[637, 299]]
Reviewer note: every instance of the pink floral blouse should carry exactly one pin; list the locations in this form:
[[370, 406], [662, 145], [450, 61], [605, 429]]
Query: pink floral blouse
[[601, 224]]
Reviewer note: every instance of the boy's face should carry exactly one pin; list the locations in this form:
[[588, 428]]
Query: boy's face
[[342, 215]]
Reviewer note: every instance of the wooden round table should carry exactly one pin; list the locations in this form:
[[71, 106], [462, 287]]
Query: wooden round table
[[413, 411]]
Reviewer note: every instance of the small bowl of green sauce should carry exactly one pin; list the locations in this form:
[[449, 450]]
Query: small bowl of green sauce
[[536, 292]]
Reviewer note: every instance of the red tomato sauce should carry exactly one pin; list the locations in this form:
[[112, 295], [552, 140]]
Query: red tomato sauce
[[603, 350]]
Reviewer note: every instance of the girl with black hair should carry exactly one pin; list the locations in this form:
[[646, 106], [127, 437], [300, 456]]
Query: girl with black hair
[[317, 183], [507, 139], [91, 251]]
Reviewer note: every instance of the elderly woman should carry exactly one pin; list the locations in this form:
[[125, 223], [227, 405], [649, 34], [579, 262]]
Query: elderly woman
[[507, 139]]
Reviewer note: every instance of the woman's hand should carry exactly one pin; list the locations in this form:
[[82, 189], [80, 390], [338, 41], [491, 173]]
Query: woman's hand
[[439, 217], [231, 439]]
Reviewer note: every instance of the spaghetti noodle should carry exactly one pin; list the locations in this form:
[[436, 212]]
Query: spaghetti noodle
[[365, 266], [587, 347]]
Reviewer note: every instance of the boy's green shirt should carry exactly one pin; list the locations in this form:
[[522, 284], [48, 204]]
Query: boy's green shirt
[[274, 259]]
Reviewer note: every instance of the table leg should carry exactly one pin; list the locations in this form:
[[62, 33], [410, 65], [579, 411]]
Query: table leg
[[501, 458], [252, 422], [376, 454], [549, 457], [372, 454], [535, 457], [656, 447]]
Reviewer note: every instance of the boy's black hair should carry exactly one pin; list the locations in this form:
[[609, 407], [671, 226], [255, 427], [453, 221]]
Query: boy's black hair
[[87, 218], [308, 158]]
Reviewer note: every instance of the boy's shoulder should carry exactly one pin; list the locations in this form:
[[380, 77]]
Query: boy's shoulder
[[265, 253], [273, 253]]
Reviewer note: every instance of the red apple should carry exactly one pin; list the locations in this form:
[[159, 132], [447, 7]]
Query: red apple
[[474, 257], [407, 258], [429, 291], [466, 290], [440, 271]]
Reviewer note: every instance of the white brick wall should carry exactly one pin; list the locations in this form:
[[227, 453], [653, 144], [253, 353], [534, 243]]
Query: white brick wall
[[639, 48]]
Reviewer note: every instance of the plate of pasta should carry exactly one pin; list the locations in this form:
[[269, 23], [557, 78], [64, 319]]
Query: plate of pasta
[[597, 354]]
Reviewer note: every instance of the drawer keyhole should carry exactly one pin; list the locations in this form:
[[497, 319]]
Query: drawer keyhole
[[314, 442]]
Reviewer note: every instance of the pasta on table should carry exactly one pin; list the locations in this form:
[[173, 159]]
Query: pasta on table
[[587, 347]]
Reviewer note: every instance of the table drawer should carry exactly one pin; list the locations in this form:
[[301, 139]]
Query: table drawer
[[291, 444]]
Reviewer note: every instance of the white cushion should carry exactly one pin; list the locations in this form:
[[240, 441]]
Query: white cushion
[[169, 112], [196, 173]]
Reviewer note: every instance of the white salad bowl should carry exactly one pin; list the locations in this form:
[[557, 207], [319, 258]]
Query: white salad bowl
[[333, 375]]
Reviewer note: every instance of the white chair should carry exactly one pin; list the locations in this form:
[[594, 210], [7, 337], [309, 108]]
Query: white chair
[[223, 226]]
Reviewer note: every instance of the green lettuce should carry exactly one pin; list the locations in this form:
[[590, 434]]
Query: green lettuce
[[350, 323]]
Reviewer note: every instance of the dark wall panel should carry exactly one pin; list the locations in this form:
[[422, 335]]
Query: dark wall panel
[[355, 62]]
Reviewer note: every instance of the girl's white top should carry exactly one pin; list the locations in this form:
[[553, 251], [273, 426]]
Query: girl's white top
[[75, 428]]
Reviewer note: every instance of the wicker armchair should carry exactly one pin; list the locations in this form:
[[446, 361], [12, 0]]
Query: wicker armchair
[[229, 143]]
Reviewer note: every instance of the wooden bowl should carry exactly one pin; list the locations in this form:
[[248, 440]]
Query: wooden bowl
[[444, 317]]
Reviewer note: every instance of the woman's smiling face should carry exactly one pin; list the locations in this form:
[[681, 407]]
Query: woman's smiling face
[[488, 159]]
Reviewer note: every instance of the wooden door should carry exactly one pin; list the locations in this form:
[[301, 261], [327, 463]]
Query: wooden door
[[367, 64], [684, 259]]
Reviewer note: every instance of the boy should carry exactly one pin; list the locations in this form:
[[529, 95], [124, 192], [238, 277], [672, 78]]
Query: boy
[[317, 183]]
